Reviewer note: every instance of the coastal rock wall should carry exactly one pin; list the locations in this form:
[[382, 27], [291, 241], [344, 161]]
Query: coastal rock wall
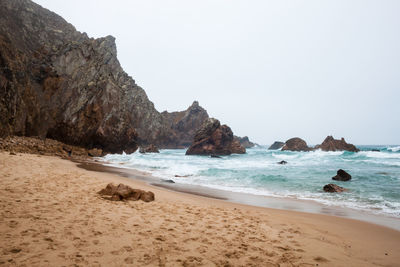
[[56, 82]]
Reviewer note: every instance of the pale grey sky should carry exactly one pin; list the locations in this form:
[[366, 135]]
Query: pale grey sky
[[269, 69]]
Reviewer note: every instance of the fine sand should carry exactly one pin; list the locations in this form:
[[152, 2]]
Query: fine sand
[[51, 215]]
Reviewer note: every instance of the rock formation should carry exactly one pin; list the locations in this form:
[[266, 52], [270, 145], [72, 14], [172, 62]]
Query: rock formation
[[296, 144], [184, 124], [332, 188], [124, 192], [215, 139], [342, 175], [282, 162], [245, 142], [149, 149], [58, 83], [276, 145], [331, 144]]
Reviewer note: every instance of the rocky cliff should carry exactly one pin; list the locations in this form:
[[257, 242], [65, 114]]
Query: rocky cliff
[[58, 83]]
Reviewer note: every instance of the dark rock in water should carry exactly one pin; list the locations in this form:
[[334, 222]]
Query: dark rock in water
[[149, 149], [375, 150], [215, 156], [283, 162], [214, 139], [276, 145], [183, 176], [296, 144], [245, 142], [168, 181], [124, 192], [332, 188], [331, 144], [342, 176]]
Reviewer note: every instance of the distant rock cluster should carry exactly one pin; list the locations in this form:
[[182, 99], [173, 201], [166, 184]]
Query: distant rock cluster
[[329, 144]]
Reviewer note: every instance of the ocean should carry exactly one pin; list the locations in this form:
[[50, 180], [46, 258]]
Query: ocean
[[374, 187]]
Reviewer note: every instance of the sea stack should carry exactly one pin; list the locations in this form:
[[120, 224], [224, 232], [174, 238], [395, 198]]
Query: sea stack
[[215, 139], [331, 144], [296, 144]]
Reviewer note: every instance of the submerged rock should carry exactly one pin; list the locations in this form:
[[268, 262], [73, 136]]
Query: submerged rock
[[296, 144], [124, 192], [149, 149], [332, 188], [276, 145], [331, 144], [282, 162], [215, 139], [342, 175]]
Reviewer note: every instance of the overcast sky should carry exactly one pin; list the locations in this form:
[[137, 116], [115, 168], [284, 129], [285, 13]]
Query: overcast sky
[[269, 69]]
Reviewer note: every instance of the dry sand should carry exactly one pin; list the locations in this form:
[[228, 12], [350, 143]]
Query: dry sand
[[52, 216]]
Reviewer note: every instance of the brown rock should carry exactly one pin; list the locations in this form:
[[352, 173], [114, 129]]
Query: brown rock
[[331, 144], [332, 188], [149, 149], [296, 144], [342, 175], [215, 139], [124, 192]]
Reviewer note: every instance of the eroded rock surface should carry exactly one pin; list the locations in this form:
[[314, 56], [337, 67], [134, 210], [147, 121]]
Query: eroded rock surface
[[215, 139], [245, 142], [331, 144]]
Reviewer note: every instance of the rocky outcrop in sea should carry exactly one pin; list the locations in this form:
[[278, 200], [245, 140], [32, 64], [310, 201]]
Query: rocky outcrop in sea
[[296, 144], [331, 144], [215, 139], [245, 142]]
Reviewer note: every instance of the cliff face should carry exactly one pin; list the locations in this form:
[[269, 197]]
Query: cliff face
[[184, 124], [56, 82]]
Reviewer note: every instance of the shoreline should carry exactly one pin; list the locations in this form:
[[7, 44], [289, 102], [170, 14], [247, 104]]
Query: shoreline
[[280, 203], [52, 215]]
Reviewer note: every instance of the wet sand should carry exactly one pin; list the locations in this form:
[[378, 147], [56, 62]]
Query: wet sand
[[51, 215]]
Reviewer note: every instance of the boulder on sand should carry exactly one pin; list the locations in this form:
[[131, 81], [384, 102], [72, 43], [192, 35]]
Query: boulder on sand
[[331, 144], [215, 139], [332, 188], [124, 192], [296, 144], [341, 175]]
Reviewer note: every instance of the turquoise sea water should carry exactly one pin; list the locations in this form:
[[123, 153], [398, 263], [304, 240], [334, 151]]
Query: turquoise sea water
[[375, 184]]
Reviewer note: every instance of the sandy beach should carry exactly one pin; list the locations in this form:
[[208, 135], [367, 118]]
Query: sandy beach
[[51, 215]]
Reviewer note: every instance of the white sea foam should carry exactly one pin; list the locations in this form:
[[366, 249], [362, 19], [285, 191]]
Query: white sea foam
[[394, 149], [258, 173]]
